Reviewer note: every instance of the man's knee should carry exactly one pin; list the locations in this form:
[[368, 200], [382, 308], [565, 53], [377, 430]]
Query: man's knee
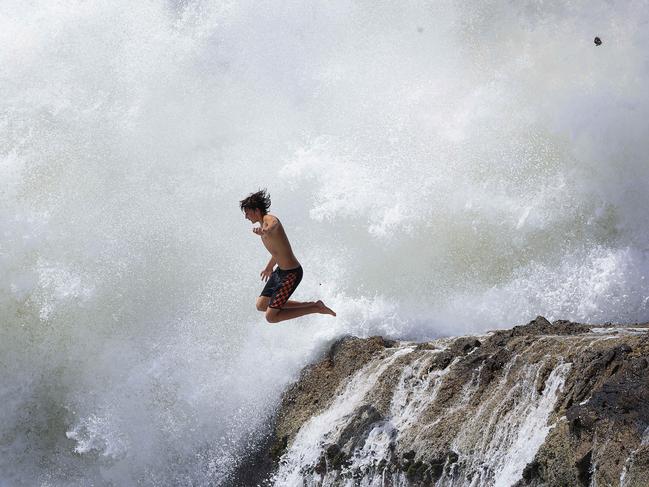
[[262, 303], [272, 315]]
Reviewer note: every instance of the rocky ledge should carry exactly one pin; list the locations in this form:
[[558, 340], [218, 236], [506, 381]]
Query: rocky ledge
[[544, 404]]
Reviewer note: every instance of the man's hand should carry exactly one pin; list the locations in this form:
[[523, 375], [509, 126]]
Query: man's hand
[[265, 274], [268, 226]]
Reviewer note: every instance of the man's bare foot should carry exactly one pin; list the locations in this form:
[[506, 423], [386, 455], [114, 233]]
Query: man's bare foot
[[323, 309]]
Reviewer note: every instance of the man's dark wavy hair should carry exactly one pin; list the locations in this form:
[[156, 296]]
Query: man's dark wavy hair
[[259, 200]]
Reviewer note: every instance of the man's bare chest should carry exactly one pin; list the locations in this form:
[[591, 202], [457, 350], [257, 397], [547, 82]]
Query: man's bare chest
[[269, 241], [275, 241]]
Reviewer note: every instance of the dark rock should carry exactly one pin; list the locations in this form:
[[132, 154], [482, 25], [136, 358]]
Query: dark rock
[[441, 360], [359, 427], [541, 326], [278, 447], [542, 378], [336, 457], [492, 365], [436, 465], [531, 471], [584, 466], [409, 455], [463, 345]]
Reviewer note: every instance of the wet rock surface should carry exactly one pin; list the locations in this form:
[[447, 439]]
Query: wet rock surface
[[540, 404]]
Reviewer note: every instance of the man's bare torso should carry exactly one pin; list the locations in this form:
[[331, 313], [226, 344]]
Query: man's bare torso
[[276, 242]]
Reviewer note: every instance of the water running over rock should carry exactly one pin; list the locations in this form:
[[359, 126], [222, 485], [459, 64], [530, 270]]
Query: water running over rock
[[543, 404]]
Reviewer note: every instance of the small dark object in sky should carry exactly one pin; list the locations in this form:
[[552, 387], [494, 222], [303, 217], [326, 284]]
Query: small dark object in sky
[[598, 41], [420, 29]]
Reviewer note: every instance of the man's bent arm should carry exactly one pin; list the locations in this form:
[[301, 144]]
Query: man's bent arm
[[269, 225], [271, 263]]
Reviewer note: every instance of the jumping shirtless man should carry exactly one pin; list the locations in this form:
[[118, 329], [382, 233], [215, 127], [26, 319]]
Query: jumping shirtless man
[[284, 279]]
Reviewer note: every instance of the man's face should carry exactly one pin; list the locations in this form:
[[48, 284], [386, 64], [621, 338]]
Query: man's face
[[251, 214]]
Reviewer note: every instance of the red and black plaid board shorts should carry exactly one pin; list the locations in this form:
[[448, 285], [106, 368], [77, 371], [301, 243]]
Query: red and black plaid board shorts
[[281, 285]]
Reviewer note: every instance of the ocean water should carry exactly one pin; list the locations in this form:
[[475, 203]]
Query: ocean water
[[440, 168]]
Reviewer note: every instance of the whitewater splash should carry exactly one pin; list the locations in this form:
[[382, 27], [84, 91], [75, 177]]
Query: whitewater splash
[[432, 163]]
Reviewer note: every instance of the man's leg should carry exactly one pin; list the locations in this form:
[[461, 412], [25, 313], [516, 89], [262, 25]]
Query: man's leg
[[262, 303], [298, 304], [274, 315]]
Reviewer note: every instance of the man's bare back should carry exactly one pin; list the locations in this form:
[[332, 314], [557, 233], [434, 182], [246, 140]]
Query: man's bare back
[[281, 281]]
